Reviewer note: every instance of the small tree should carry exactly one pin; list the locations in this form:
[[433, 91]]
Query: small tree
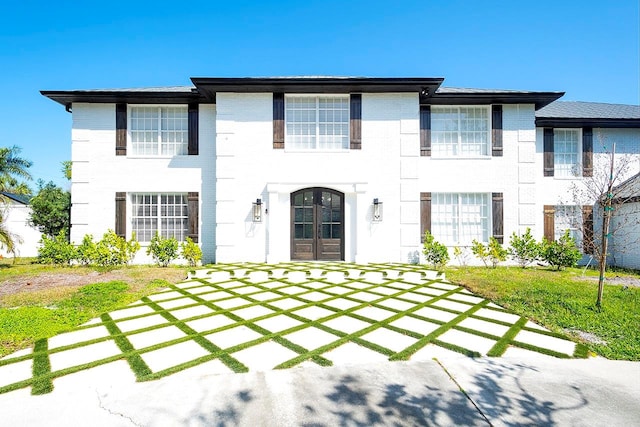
[[492, 253], [435, 253], [524, 249], [163, 250], [50, 209], [562, 252], [462, 255], [191, 252]]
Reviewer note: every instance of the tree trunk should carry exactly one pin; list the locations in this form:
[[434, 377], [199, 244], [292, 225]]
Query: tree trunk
[[606, 221]]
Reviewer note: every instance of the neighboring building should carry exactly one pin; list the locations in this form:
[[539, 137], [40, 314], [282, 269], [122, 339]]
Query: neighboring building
[[17, 212], [624, 249], [324, 168]]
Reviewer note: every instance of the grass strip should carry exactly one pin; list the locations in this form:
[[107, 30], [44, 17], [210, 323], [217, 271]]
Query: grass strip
[[135, 361], [232, 363], [42, 382], [501, 346]]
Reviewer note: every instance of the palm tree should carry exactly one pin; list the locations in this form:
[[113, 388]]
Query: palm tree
[[12, 167]]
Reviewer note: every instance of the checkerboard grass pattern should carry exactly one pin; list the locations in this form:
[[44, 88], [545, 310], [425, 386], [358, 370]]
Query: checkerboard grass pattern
[[257, 316]]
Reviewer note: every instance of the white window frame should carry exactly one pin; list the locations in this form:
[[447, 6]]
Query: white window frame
[[568, 217], [133, 150], [288, 143], [437, 152], [455, 236], [575, 171], [180, 236]]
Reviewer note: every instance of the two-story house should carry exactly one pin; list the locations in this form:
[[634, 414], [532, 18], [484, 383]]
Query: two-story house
[[327, 168]]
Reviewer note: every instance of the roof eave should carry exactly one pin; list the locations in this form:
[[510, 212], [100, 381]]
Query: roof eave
[[576, 122], [539, 99]]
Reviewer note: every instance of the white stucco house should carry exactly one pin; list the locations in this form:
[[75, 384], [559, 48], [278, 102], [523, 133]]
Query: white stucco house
[[16, 213], [329, 168]]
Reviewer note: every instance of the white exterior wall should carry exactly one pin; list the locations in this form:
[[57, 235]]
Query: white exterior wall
[[249, 168], [97, 174], [17, 222]]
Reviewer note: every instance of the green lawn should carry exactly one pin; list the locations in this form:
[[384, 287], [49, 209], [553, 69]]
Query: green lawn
[[563, 301], [30, 315]]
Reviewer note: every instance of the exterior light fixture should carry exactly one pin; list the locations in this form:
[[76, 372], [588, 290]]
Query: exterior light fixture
[[377, 210], [257, 210]]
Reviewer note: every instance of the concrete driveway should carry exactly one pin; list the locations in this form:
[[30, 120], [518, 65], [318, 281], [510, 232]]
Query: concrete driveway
[[196, 337]]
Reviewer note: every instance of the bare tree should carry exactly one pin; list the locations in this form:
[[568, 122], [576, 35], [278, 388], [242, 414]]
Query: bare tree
[[607, 196]]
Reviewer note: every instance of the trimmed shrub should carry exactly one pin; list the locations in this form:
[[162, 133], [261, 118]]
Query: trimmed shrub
[[191, 252], [561, 253], [462, 255], [524, 249], [114, 250], [492, 253], [163, 250], [435, 253], [56, 250], [86, 251]]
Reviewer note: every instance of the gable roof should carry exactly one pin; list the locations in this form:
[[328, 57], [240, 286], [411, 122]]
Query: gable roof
[[23, 200], [593, 114], [629, 190]]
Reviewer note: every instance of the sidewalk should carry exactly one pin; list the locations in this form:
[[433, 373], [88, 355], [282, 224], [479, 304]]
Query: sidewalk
[[499, 391]]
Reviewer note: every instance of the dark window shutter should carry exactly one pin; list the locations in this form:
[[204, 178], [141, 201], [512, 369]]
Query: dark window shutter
[[121, 214], [355, 121], [497, 204], [549, 222], [425, 130], [548, 151], [496, 130], [278, 120], [425, 214], [121, 129], [587, 152], [193, 130], [192, 208], [587, 229]]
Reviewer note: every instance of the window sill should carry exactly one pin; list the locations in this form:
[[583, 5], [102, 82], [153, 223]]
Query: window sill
[[344, 150], [461, 157], [157, 157]]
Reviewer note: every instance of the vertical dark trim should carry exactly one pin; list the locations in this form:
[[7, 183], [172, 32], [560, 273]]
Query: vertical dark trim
[[121, 129], [355, 121], [193, 129], [587, 152], [278, 120], [497, 208], [121, 214], [549, 222], [548, 151], [587, 230], [496, 130], [425, 130], [193, 212], [425, 214]]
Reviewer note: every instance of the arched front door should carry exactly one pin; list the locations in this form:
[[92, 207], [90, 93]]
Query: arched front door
[[317, 225]]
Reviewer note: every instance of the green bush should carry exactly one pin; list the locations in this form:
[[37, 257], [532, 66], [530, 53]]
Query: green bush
[[524, 249], [435, 253], [114, 250], [86, 251], [164, 250], [562, 252], [462, 255], [191, 252], [56, 250], [492, 253]]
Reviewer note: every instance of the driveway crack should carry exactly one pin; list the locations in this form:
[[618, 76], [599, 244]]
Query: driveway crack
[[118, 414]]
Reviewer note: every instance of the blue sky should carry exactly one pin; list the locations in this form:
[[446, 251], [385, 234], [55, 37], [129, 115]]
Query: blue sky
[[588, 49]]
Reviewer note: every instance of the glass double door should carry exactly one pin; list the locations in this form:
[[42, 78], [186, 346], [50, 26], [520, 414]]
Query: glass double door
[[317, 225]]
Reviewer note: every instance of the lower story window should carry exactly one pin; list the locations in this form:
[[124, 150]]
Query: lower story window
[[166, 214], [460, 218], [568, 217]]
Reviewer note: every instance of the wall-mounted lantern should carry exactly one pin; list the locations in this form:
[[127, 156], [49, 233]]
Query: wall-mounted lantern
[[377, 210], [257, 210]]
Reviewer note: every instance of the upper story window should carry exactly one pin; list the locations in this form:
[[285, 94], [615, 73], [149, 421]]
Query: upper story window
[[460, 131], [459, 218], [166, 214], [566, 152], [158, 130], [317, 122]]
